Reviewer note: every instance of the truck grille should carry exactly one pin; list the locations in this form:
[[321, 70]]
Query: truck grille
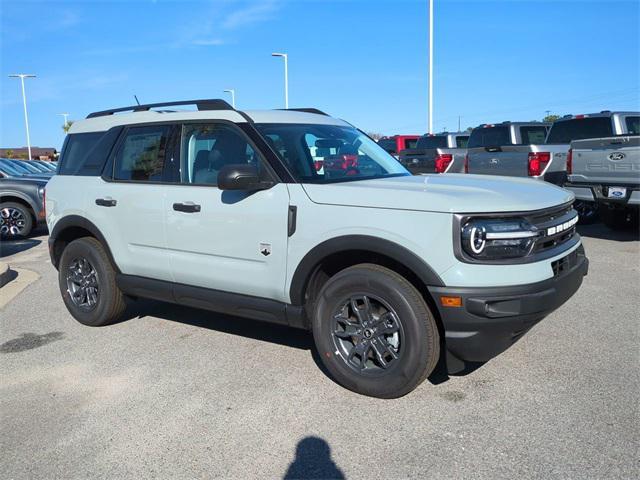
[[565, 263], [557, 227]]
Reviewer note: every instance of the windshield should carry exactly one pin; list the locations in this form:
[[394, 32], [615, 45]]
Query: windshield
[[433, 141], [565, 131], [329, 153]]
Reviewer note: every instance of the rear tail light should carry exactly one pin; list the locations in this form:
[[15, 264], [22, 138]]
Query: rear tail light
[[570, 161], [466, 163], [537, 163], [442, 162], [318, 164]]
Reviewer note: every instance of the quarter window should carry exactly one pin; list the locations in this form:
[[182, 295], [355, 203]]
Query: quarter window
[[141, 155], [533, 134], [207, 148], [633, 125]]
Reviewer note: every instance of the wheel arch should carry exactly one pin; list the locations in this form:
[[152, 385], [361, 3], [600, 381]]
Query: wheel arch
[[22, 199], [71, 228], [344, 251]]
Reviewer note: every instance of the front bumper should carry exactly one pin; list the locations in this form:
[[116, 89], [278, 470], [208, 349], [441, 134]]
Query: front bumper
[[491, 319]]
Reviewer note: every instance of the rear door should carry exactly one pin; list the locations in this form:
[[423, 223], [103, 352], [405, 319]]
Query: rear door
[[231, 241], [128, 203]]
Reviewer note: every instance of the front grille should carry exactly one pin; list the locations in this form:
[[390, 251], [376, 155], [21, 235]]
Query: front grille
[[549, 220]]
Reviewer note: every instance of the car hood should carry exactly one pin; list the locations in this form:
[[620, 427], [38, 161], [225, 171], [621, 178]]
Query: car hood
[[455, 193]]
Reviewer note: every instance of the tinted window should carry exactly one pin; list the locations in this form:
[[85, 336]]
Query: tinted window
[[86, 153], [207, 148], [435, 141], [389, 144], [533, 134], [489, 137], [461, 142], [565, 131], [633, 125], [411, 143], [141, 154]]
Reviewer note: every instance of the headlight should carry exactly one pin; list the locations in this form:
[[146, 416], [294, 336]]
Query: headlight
[[494, 239]]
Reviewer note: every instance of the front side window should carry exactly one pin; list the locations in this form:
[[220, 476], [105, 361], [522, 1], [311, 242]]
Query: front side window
[[141, 154], [329, 153], [209, 147]]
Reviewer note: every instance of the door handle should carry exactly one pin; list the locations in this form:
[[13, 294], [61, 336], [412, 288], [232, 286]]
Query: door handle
[[187, 207], [106, 202]]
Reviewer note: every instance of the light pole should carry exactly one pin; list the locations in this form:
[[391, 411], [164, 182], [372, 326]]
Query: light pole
[[65, 115], [286, 76], [233, 96], [430, 66], [22, 76]]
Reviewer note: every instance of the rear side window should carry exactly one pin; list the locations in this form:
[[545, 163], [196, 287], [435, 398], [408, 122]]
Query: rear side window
[[533, 134], [86, 153], [462, 142], [141, 154], [489, 137], [436, 141], [565, 131], [633, 125], [411, 143]]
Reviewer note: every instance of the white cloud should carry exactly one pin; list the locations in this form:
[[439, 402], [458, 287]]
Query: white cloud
[[256, 12]]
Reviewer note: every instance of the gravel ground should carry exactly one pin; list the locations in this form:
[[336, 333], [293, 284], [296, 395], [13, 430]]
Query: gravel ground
[[175, 392]]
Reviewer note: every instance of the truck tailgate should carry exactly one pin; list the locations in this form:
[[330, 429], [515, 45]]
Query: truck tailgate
[[606, 161], [508, 161]]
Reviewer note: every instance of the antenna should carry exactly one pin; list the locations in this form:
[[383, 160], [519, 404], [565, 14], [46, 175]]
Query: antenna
[[137, 101]]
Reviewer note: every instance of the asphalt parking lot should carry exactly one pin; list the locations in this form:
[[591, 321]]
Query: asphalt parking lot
[[175, 392]]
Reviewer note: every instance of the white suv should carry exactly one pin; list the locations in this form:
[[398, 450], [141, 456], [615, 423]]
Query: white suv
[[298, 218]]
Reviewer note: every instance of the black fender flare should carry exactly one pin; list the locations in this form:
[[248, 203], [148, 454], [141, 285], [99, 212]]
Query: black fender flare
[[77, 221], [366, 243]]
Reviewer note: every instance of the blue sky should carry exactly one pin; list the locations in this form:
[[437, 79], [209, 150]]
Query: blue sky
[[365, 61]]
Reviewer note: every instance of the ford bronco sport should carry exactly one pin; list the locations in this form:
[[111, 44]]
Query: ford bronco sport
[[230, 211]]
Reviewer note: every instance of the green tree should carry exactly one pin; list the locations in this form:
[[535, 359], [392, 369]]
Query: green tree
[[550, 118], [67, 126], [9, 153]]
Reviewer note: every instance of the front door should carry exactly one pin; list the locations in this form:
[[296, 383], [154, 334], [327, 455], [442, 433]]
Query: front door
[[230, 241]]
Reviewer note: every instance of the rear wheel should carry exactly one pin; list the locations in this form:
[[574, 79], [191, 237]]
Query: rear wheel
[[374, 332], [15, 220], [88, 284]]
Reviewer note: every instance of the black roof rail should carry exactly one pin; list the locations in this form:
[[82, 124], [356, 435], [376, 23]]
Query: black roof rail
[[210, 104], [308, 110]]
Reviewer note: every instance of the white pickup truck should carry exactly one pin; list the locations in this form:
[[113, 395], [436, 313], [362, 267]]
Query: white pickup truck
[[605, 172]]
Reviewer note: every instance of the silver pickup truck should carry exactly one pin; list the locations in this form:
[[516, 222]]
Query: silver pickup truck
[[436, 153], [513, 149], [605, 172]]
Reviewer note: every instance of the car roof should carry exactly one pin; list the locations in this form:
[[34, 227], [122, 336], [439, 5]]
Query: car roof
[[107, 121]]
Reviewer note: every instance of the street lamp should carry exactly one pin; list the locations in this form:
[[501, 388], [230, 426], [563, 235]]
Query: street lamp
[[22, 76], [233, 96], [286, 77], [65, 115], [430, 66]]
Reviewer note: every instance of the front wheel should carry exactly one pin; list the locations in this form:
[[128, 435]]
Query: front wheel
[[15, 221], [374, 332]]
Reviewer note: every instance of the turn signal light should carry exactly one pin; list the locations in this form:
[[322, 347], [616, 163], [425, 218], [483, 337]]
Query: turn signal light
[[446, 301]]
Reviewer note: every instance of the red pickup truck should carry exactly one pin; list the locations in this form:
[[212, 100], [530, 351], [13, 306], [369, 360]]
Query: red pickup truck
[[396, 143]]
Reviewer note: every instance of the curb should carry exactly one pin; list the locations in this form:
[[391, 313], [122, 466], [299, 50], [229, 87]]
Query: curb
[[5, 274]]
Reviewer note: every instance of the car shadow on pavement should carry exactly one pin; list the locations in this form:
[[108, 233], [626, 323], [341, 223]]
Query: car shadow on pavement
[[599, 230], [254, 329], [12, 247], [313, 461]]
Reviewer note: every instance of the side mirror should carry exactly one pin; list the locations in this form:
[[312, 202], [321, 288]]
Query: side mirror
[[241, 177]]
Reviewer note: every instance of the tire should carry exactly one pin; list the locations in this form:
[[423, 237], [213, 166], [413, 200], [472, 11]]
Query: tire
[[16, 220], [588, 212], [621, 219], [86, 269], [410, 353]]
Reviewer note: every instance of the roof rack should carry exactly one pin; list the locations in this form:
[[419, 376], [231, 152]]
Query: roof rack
[[308, 110], [210, 104]]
